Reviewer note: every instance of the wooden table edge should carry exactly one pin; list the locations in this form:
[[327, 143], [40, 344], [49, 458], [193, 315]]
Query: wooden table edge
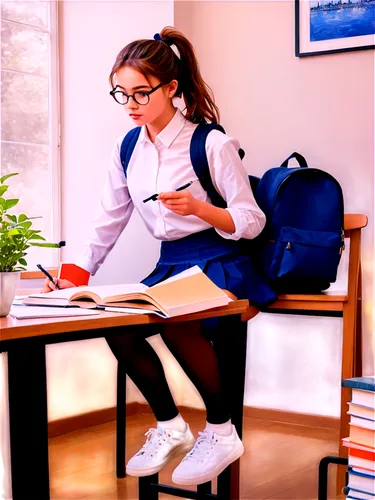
[[11, 328]]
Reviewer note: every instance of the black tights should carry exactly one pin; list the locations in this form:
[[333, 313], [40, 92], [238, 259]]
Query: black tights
[[196, 355]]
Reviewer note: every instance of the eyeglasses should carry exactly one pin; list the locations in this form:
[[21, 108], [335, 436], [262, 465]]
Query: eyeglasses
[[142, 98]]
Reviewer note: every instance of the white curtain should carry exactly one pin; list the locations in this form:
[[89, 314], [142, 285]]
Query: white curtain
[[5, 478]]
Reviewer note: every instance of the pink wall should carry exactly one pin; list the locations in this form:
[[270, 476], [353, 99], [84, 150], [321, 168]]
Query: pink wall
[[276, 103]]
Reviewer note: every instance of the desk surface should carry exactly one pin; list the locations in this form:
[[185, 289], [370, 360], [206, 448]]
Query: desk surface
[[12, 329]]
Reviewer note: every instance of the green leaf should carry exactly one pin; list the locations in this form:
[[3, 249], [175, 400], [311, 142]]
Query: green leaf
[[3, 189], [45, 245], [37, 237], [11, 203], [5, 177], [22, 261], [13, 218], [25, 225], [23, 217], [13, 232], [2, 202]]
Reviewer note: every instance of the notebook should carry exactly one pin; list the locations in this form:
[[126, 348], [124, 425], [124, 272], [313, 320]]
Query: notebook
[[29, 312], [361, 411], [188, 292], [134, 310], [361, 435]]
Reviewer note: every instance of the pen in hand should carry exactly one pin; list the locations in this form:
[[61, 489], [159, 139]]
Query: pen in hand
[[48, 275], [154, 197]]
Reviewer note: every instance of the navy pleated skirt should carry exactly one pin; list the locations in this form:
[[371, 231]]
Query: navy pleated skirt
[[226, 262]]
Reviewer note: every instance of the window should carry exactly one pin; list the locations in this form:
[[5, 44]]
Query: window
[[30, 118]]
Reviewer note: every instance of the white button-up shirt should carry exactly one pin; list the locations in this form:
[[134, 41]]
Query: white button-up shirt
[[164, 166]]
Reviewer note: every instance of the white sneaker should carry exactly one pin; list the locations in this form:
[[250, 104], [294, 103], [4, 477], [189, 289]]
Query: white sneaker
[[160, 447], [211, 454]]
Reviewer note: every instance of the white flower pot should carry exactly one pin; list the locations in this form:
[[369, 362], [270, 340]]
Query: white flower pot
[[8, 287]]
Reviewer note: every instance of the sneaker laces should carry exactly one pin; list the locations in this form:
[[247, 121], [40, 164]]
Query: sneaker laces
[[203, 446], [153, 439]]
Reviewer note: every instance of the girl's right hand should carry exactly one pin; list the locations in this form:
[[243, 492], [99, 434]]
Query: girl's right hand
[[49, 286]]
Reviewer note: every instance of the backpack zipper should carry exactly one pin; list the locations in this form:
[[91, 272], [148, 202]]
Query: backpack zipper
[[342, 248]]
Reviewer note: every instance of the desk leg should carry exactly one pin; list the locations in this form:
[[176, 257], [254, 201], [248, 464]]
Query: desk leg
[[204, 489], [121, 422], [145, 489], [28, 421], [232, 358]]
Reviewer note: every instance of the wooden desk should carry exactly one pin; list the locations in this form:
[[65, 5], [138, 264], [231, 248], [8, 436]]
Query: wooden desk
[[25, 341]]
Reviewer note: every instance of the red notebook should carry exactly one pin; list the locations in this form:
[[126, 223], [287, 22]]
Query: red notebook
[[75, 274], [358, 450]]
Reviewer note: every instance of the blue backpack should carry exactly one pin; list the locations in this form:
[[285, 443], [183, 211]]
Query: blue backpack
[[302, 242], [301, 245]]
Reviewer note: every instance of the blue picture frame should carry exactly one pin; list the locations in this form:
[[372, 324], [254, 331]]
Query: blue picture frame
[[333, 26]]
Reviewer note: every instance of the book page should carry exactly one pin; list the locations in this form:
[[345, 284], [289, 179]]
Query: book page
[[104, 291], [101, 290], [190, 294], [184, 274], [133, 310], [65, 293]]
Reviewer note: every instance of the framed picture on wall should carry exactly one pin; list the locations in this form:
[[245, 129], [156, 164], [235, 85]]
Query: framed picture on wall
[[331, 26]]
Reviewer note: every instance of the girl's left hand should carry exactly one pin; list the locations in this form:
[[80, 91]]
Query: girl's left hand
[[180, 202]]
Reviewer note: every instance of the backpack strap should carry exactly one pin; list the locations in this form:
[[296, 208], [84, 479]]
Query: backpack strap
[[301, 160], [199, 161], [127, 147]]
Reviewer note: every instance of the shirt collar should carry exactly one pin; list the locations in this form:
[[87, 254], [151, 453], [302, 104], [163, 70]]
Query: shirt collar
[[169, 132]]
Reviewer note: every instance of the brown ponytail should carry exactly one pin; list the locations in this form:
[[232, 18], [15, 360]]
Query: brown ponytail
[[156, 58]]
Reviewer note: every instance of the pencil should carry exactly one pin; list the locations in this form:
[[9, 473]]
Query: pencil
[[154, 197], [48, 275]]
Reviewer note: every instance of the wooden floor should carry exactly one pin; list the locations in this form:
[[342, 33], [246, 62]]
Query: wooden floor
[[280, 460]]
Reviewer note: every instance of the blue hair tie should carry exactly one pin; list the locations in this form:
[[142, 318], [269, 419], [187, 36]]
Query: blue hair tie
[[165, 40]]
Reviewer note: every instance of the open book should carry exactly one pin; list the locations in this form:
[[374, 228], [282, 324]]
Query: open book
[[188, 292]]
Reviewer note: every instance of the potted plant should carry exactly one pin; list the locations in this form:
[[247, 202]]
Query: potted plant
[[16, 236]]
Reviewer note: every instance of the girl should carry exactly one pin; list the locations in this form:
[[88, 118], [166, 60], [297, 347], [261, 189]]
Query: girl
[[146, 76]]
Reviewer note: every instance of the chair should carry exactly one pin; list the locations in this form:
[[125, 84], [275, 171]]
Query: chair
[[348, 306]]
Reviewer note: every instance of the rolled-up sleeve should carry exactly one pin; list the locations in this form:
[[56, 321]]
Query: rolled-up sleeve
[[116, 207], [232, 183]]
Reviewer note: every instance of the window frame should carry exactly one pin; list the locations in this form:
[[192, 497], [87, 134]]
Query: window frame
[[54, 128]]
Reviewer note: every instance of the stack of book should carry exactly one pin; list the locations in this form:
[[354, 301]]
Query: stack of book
[[361, 440]]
